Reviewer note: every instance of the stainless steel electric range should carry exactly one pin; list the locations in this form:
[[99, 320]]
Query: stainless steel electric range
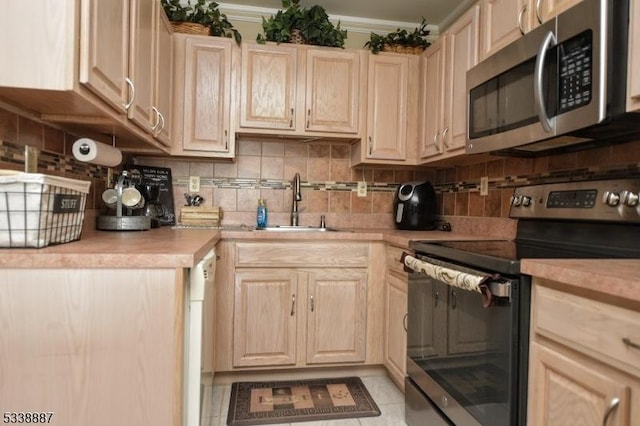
[[469, 305]]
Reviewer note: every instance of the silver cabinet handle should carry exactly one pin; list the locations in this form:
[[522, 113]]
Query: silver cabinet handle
[[538, 90], [312, 304], [444, 138], [612, 407], [630, 343], [520, 19], [156, 113], [370, 146], [435, 141], [308, 117], [132, 92], [291, 119], [538, 13], [293, 304], [226, 140], [161, 124], [454, 299], [404, 321]]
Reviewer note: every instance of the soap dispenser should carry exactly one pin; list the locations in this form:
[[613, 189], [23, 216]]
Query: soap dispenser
[[262, 214]]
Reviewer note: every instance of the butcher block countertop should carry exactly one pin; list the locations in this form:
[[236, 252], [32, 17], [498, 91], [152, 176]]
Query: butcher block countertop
[[614, 279]]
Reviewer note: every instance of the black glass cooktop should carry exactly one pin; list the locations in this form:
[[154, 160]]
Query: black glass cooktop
[[504, 255]]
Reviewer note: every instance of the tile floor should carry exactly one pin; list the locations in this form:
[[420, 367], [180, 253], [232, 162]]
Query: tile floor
[[384, 392]]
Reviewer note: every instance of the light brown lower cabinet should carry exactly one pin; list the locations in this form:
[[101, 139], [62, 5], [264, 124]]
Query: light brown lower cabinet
[[94, 346], [282, 314], [583, 368], [395, 332]]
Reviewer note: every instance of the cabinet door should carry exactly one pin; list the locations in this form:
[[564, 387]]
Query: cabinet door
[[142, 62], [268, 86], [207, 94], [462, 55], [337, 316], [432, 75], [395, 332], [387, 107], [503, 21], [544, 10], [264, 322], [104, 50], [563, 391], [332, 91], [163, 79]]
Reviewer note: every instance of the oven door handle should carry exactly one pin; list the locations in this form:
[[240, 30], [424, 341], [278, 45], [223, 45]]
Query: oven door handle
[[489, 286]]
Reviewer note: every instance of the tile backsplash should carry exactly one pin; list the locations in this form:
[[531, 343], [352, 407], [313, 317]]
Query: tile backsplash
[[265, 169]]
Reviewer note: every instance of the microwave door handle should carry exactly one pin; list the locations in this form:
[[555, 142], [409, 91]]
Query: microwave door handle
[[549, 41]]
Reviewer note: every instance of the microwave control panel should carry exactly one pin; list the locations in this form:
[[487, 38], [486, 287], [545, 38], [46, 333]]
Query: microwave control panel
[[575, 68]]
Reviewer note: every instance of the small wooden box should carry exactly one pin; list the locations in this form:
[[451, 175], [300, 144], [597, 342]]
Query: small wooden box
[[204, 216]]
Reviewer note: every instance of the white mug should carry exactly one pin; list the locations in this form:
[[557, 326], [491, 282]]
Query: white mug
[[132, 198], [110, 198]]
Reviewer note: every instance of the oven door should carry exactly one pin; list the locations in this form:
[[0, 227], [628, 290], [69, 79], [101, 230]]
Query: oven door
[[463, 356]]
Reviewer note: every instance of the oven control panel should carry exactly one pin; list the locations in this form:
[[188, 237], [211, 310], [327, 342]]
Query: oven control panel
[[616, 200]]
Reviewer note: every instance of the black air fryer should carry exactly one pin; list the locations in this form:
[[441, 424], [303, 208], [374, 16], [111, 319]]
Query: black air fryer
[[414, 206]]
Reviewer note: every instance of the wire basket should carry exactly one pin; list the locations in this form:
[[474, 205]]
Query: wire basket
[[37, 210]]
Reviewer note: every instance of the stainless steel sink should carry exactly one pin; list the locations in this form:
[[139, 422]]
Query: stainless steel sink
[[297, 228]]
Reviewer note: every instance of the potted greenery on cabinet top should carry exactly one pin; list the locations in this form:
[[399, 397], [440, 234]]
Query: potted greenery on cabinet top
[[201, 18], [294, 24], [401, 41]]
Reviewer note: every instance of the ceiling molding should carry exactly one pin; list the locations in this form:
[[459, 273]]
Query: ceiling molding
[[242, 13]]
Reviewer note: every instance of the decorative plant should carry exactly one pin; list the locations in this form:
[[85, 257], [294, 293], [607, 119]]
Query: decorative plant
[[312, 25], [202, 12], [416, 39]]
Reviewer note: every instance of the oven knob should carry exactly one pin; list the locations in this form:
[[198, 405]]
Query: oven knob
[[516, 200], [526, 201], [629, 198], [611, 198]]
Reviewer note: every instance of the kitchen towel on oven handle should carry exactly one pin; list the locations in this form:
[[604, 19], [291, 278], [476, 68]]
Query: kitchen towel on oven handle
[[463, 280]]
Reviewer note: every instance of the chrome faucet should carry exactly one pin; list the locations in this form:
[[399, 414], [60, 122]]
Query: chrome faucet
[[297, 196]]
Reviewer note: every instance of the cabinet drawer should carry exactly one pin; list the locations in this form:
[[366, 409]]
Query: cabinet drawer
[[393, 254], [594, 328], [302, 254]]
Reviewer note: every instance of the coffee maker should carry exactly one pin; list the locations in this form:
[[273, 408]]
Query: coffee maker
[[152, 208]]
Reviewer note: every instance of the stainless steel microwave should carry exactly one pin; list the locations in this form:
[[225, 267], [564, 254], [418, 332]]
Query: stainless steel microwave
[[561, 86]]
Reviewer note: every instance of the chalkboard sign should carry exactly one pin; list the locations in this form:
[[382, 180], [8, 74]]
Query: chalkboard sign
[[160, 176]]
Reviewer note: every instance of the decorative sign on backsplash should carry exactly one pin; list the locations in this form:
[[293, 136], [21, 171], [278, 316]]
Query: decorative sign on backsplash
[[159, 177]]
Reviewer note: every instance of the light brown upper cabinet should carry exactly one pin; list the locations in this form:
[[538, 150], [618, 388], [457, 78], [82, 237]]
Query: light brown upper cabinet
[[150, 69], [504, 21], [433, 80], [445, 135], [391, 131], [204, 85], [91, 75], [104, 50], [301, 90]]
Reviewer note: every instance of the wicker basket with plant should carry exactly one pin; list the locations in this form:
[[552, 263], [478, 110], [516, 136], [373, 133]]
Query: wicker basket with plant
[[203, 18], [401, 41]]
